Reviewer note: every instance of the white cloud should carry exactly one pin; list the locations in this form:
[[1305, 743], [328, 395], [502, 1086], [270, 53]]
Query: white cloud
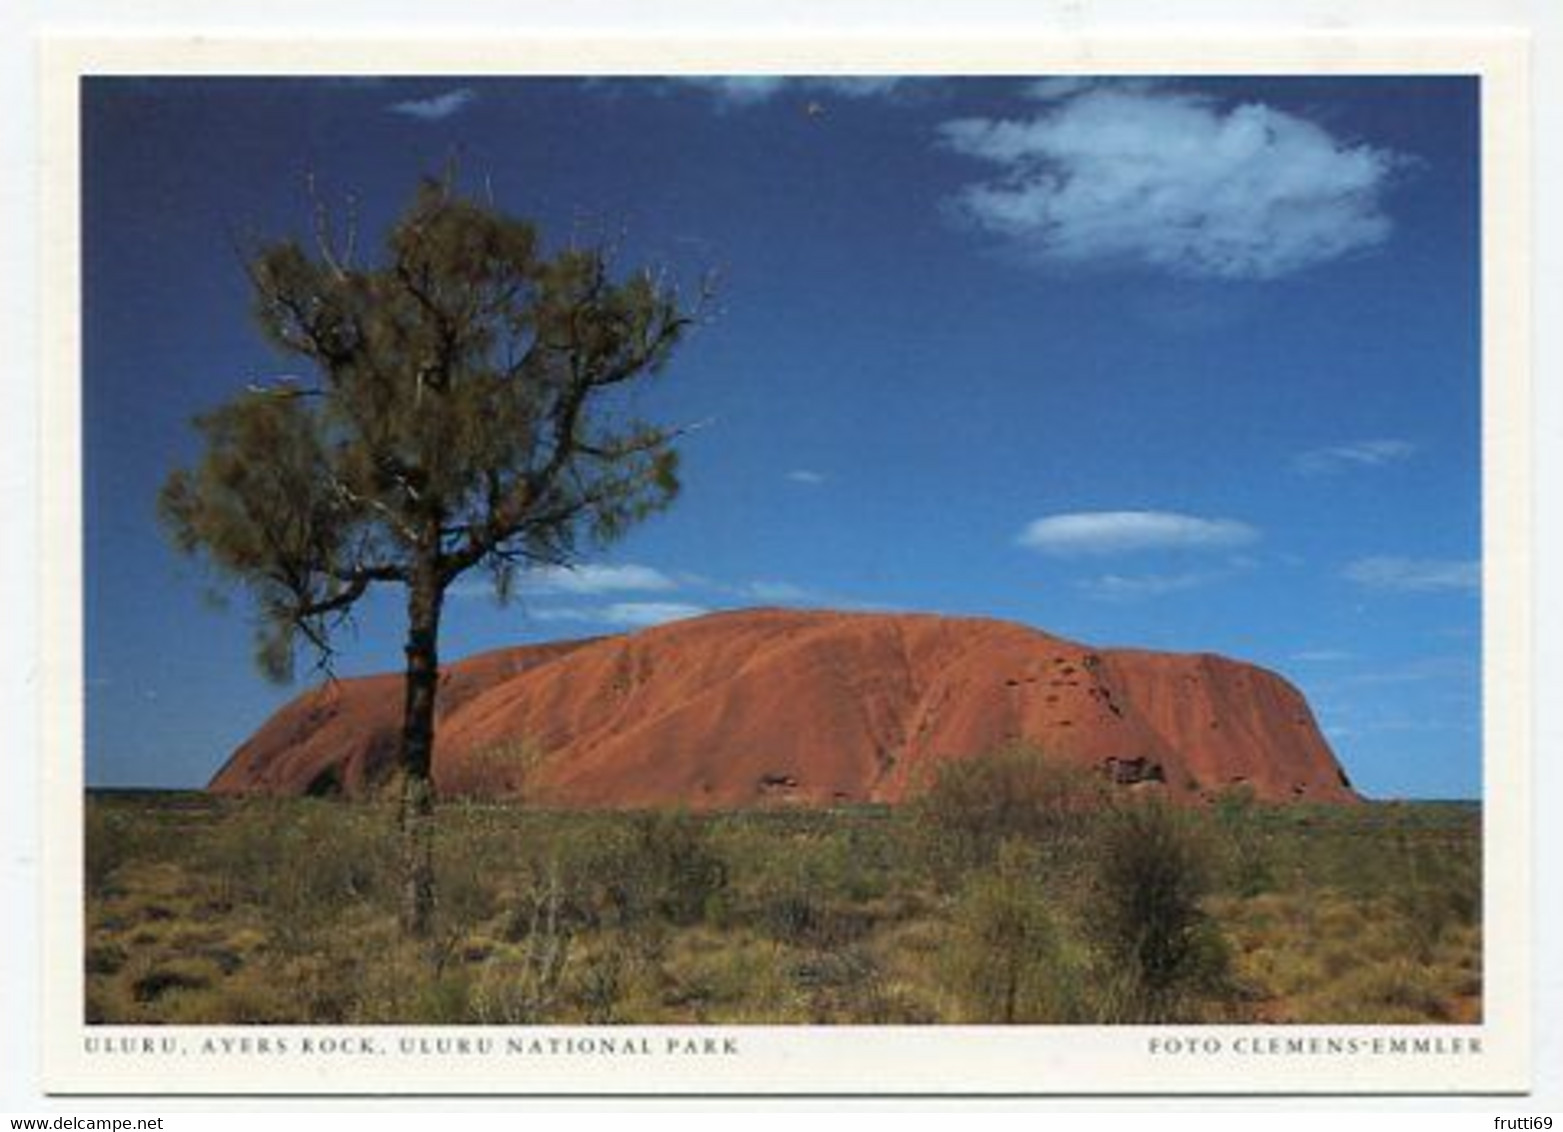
[[1361, 454], [651, 612], [740, 91], [696, 594], [1129, 173], [1415, 575], [434, 108], [634, 614], [1116, 532], [806, 477], [585, 579], [590, 579]]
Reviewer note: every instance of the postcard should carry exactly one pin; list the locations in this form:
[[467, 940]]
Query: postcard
[[808, 566]]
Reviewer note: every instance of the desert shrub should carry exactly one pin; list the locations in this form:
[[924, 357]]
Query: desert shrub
[[466, 893], [1248, 859], [1006, 958], [170, 975], [392, 985], [663, 867], [514, 991], [972, 806], [813, 888], [442, 997], [1438, 891], [251, 996], [1397, 991], [734, 977], [242, 853], [505, 769], [105, 958], [685, 869], [300, 862], [300, 866], [849, 985], [105, 847], [599, 985], [263, 911], [524, 984], [1160, 952], [117, 832]]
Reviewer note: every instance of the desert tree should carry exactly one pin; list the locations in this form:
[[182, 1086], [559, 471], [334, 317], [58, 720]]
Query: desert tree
[[463, 406]]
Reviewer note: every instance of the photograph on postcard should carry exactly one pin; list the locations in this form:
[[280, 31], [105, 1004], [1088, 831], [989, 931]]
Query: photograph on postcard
[[591, 553]]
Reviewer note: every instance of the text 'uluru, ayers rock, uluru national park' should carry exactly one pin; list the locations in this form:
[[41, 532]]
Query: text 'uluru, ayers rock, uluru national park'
[[770, 706]]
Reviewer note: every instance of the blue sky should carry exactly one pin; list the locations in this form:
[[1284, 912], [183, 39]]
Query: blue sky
[[1178, 363]]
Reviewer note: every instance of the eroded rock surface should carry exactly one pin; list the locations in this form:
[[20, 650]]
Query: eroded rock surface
[[771, 707]]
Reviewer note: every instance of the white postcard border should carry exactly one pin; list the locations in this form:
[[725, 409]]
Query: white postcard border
[[762, 1060]]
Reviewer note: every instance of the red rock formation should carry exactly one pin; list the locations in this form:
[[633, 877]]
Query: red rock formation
[[763, 706]]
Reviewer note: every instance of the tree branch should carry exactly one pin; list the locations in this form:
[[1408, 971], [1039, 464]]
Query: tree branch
[[342, 599]]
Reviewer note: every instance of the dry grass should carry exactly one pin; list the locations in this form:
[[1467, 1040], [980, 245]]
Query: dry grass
[[208, 911]]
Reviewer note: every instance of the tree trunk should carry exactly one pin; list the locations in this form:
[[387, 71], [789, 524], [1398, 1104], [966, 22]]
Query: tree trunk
[[424, 598]]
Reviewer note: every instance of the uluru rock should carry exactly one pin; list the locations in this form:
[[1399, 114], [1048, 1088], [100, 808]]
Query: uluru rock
[[768, 706]]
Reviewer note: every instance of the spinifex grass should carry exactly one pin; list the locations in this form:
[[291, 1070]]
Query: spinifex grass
[[202, 910]]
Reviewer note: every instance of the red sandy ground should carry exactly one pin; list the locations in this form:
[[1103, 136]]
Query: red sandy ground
[[820, 708]]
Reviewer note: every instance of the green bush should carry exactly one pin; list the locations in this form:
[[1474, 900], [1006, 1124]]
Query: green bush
[[1160, 951], [1006, 957], [972, 806], [117, 833], [807, 889], [1438, 891], [631, 871], [1249, 860], [524, 985], [105, 848], [682, 872], [300, 864], [252, 911]]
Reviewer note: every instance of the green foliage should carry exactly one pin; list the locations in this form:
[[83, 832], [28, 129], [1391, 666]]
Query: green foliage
[[1158, 945], [974, 805], [798, 896], [1248, 860], [271, 855], [463, 407], [104, 848], [114, 837], [817, 881], [524, 986], [210, 911], [1008, 960], [600, 986], [670, 870], [1439, 893]]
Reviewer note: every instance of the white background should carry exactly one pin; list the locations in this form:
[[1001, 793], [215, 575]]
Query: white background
[[20, 581]]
